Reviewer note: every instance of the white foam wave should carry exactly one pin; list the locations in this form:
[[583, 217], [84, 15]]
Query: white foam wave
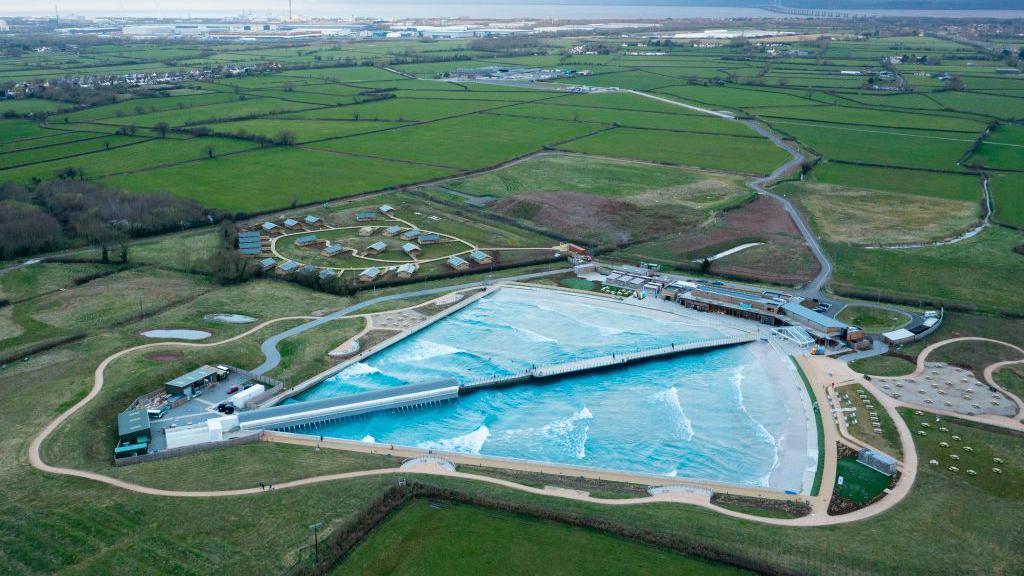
[[421, 350], [467, 443], [683, 423], [571, 432], [737, 379], [535, 336], [369, 438], [358, 369]]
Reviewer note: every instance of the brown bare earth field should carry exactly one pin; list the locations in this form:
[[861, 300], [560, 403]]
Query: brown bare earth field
[[596, 220], [784, 258]]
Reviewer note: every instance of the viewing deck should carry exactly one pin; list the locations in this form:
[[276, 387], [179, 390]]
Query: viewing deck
[[297, 415]]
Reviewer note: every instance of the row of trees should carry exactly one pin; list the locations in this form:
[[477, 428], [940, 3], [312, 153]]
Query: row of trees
[[67, 212]]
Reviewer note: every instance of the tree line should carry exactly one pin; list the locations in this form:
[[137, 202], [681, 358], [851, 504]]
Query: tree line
[[66, 213]]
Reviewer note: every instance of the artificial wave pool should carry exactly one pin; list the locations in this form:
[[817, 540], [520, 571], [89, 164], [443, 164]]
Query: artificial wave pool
[[736, 415]]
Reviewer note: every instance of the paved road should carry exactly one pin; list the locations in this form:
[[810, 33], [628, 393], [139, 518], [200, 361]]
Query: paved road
[[813, 289], [269, 347]]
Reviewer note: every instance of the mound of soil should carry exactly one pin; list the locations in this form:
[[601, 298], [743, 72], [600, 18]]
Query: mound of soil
[[164, 356], [596, 220]]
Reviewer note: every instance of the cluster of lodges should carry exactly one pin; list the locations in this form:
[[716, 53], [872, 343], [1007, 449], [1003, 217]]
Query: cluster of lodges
[[256, 240], [769, 307], [456, 263], [290, 225], [289, 267]]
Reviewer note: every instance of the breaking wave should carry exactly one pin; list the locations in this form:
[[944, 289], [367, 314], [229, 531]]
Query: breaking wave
[[683, 424], [370, 439], [762, 432], [358, 369], [467, 443], [421, 350]]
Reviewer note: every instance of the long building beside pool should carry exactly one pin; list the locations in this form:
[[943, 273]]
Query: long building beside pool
[[769, 307]]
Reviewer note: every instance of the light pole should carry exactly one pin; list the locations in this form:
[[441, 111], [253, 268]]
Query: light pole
[[316, 542]]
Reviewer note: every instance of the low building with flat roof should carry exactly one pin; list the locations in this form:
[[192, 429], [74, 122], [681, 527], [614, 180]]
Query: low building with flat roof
[[288, 267], [195, 381], [392, 230], [133, 433], [410, 234], [430, 238], [815, 322], [365, 216], [877, 461]]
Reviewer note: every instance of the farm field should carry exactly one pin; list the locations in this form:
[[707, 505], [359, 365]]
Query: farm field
[[460, 539], [276, 176], [938, 274], [606, 177], [1008, 198], [727, 153], [1003, 148], [871, 218]]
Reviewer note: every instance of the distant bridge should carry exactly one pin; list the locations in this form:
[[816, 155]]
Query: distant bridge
[[299, 415]]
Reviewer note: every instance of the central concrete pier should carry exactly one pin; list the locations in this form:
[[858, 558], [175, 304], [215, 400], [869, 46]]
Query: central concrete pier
[[298, 415]]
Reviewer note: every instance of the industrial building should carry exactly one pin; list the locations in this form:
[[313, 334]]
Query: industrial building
[[193, 383], [133, 433]]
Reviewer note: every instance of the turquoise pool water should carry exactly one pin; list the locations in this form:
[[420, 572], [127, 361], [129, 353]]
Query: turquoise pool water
[[720, 416]]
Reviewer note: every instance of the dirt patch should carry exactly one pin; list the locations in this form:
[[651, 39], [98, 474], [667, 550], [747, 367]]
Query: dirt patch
[[9, 328], [783, 258], [164, 356], [596, 220]]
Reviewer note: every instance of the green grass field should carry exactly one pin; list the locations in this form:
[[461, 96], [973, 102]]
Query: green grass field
[[938, 274], [872, 319], [728, 153], [460, 539], [610, 178], [860, 483]]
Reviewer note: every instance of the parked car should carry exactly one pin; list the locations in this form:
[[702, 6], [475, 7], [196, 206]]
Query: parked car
[[233, 389]]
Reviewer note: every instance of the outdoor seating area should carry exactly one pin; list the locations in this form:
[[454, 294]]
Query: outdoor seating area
[[949, 388]]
